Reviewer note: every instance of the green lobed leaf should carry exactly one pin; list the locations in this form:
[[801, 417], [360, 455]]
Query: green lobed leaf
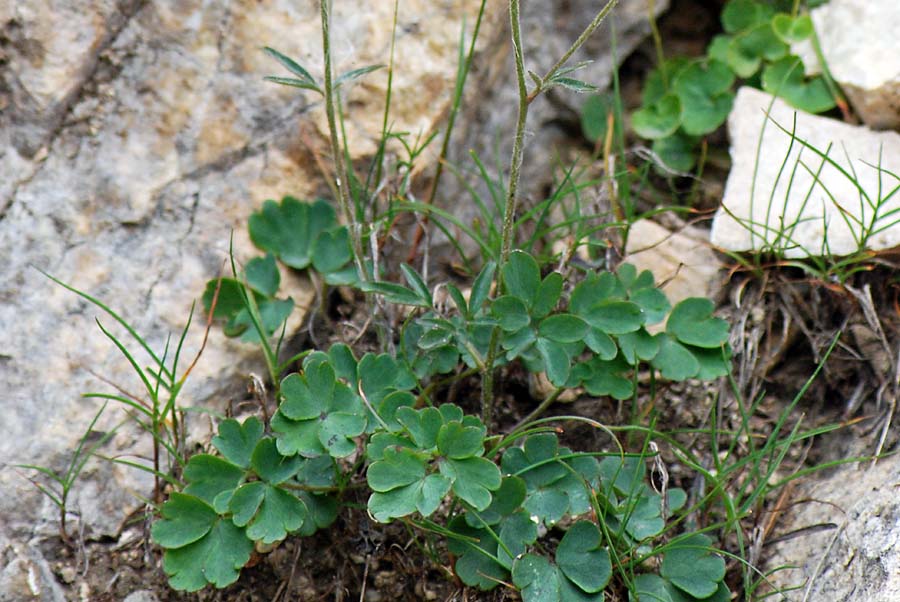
[[270, 465], [516, 532], [289, 229], [537, 578], [785, 78], [215, 559], [743, 14], [563, 328], [511, 313], [548, 295], [185, 520], [397, 468], [476, 551], [659, 120], [674, 360], [692, 566], [792, 29], [706, 97], [207, 476], [262, 275], [614, 317], [556, 360], [331, 250], [522, 277], [457, 441], [749, 48], [582, 558], [236, 441], [692, 322], [473, 479], [269, 512], [677, 153]]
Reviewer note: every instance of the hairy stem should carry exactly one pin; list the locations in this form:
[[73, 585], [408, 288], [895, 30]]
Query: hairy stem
[[512, 196], [341, 179]]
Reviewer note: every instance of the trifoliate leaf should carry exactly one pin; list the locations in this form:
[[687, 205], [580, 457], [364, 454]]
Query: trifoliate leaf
[[638, 345], [594, 289], [236, 441], [397, 468], [706, 97], [423, 425], [582, 558], [748, 48], [271, 512], [692, 323], [692, 566], [506, 500]]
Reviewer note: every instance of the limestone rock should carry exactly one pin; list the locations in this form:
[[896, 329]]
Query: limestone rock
[[858, 558], [25, 576], [134, 138], [863, 58], [681, 260], [786, 198]]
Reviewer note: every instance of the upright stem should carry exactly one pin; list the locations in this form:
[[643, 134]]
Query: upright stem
[[341, 180], [512, 197]]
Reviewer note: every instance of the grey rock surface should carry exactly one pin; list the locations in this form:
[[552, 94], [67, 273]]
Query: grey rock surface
[[864, 58], [857, 559], [782, 196], [24, 574], [134, 136]]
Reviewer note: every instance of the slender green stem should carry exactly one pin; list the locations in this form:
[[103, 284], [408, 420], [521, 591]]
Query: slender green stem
[[578, 43], [341, 179], [657, 42], [542, 407], [512, 196]]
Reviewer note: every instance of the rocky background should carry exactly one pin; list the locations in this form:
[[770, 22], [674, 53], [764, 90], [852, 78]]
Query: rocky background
[[136, 135]]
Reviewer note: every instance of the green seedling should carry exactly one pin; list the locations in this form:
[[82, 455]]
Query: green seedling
[[57, 486]]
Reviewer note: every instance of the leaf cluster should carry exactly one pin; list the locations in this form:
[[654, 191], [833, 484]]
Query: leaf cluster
[[684, 100]]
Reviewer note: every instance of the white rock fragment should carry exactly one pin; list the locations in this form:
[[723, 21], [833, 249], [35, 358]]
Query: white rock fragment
[[681, 261], [782, 196], [861, 47]]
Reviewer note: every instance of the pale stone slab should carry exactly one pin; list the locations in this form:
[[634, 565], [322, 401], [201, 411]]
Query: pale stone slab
[[782, 196], [682, 261], [860, 44]]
